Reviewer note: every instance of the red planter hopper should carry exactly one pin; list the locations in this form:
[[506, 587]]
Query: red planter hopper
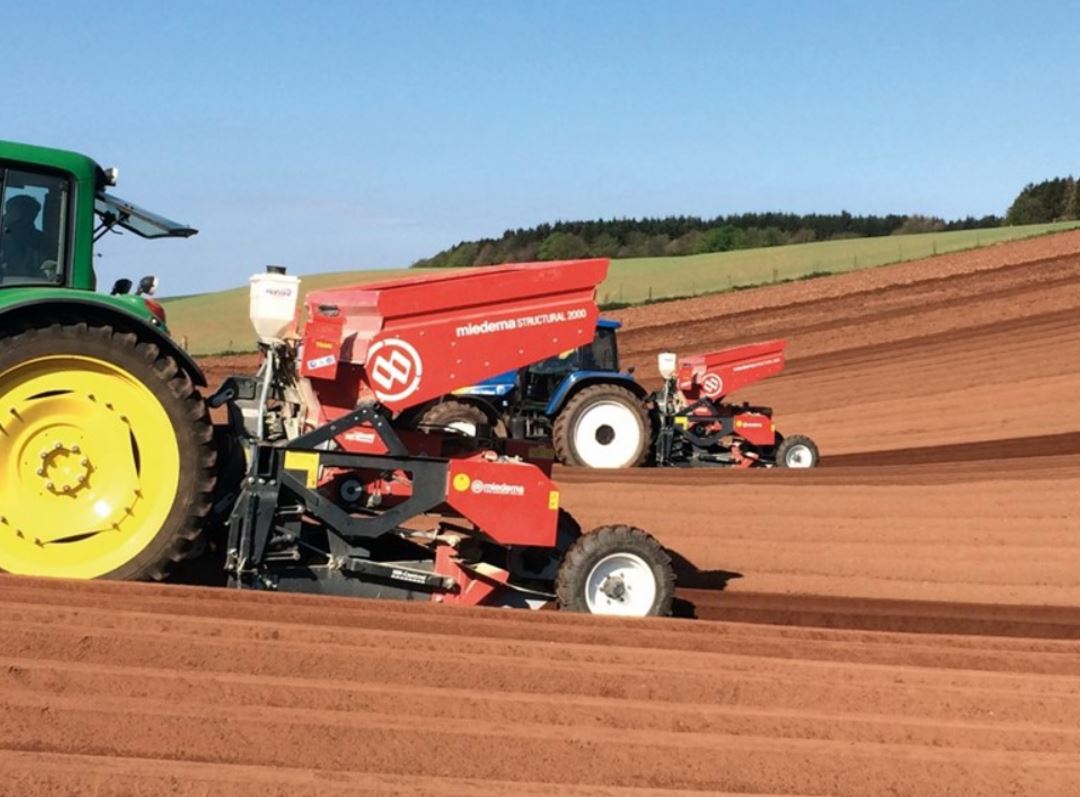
[[403, 342], [720, 373]]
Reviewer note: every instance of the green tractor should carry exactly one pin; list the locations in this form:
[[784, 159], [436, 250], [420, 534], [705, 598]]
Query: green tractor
[[106, 446]]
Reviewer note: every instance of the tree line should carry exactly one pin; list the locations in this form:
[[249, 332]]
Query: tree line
[[1042, 203], [682, 235], [1037, 203]]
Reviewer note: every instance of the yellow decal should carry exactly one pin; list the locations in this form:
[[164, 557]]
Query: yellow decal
[[306, 461], [682, 422], [322, 344], [553, 499], [462, 482]]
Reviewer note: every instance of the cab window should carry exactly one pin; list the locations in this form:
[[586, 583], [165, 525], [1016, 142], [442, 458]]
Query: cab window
[[602, 354], [33, 221]]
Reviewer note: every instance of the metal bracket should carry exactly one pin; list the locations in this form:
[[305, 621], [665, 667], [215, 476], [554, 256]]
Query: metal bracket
[[369, 413]]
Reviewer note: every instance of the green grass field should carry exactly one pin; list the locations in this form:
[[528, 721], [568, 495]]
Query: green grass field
[[212, 323]]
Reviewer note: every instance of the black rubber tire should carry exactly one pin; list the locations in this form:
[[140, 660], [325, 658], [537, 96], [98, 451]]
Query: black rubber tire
[[562, 436], [450, 411], [172, 386], [789, 443], [583, 555]]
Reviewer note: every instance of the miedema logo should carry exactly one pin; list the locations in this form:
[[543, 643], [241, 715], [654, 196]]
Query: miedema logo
[[497, 488], [712, 384], [394, 369]]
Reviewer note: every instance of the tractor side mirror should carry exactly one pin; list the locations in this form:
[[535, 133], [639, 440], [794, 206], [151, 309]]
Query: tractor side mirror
[[122, 287], [147, 286]]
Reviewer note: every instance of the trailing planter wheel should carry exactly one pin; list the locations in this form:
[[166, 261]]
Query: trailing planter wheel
[[616, 570], [797, 451]]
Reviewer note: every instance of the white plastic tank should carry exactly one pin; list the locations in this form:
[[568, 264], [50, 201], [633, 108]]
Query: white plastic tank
[[274, 296], [666, 363]]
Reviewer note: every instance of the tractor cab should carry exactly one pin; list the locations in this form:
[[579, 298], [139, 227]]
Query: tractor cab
[[54, 208], [542, 381]]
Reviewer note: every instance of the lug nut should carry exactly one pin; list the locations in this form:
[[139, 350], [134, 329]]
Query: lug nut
[[74, 449]]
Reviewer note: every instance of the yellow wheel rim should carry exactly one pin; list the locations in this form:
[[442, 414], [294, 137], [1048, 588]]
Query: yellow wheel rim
[[89, 467]]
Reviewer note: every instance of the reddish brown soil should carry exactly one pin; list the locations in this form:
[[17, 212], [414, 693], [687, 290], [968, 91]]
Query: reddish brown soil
[[903, 621], [118, 688], [943, 395]]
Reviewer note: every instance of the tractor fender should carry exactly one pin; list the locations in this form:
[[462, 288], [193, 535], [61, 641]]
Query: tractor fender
[[105, 313], [579, 379], [412, 416]]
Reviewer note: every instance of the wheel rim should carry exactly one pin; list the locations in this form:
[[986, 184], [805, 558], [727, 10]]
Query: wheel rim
[[607, 435], [799, 456], [621, 584], [89, 465], [465, 427]]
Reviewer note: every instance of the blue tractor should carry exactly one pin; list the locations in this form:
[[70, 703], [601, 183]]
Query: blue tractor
[[593, 413]]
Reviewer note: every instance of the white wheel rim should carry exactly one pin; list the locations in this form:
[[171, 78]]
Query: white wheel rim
[[465, 427], [621, 584], [607, 435], [799, 456]]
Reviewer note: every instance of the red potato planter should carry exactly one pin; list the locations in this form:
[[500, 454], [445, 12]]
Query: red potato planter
[[339, 497], [696, 427]]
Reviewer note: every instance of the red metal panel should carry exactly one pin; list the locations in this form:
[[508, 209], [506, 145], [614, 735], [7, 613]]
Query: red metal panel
[[720, 373], [423, 337], [476, 583], [756, 428], [513, 502], [322, 348]]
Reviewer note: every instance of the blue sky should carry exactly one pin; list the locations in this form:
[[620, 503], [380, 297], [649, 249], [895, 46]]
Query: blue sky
[[350, 135]]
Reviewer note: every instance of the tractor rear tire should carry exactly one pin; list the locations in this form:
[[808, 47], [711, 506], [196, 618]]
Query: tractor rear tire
[[107, 462], [616, 570], [603, 426], [797, 451], [461, 416]]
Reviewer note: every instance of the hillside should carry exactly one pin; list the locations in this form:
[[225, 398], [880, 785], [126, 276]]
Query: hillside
[[217, 322]]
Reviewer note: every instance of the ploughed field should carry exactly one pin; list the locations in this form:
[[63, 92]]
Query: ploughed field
[[945, 397], [903, 620]]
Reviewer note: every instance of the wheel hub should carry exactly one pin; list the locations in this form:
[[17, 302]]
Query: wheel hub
[[607, 435], [614, 587], [64, 469], [621, 583], [799, 457]]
